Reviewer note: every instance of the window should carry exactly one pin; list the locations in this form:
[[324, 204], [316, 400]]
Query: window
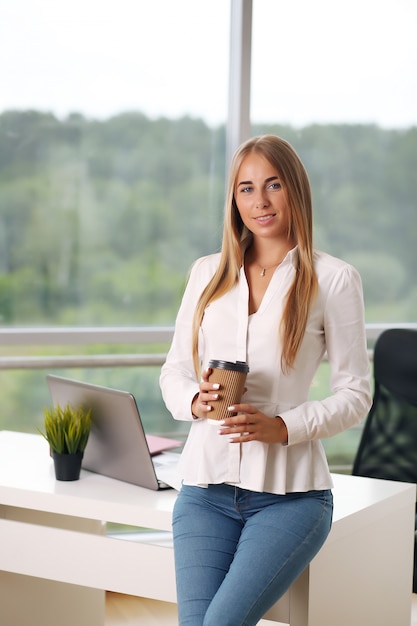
[[112, 168], [112, 161], [111, 142], [338, 81]]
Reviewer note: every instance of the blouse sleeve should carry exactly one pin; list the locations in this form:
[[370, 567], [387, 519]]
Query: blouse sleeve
[[178, 381], [345, 341]]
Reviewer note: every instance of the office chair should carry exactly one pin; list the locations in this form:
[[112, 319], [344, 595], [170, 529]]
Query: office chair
[[388, 446]]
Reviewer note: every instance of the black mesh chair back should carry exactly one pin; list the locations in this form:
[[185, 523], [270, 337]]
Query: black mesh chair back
[[388, 447]]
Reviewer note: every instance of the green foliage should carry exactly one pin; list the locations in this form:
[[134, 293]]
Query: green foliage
[[101, 220], [82, 202], [67, 429]]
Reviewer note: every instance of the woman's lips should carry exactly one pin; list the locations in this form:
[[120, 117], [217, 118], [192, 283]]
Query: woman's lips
[[263, 219]]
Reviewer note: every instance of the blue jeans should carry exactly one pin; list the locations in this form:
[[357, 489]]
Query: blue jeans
[[238, 551]]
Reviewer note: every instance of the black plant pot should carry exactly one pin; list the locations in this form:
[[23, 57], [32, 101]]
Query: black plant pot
[[67, 466]]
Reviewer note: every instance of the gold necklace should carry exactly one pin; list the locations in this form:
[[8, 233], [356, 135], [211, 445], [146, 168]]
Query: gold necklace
[[265, 269]]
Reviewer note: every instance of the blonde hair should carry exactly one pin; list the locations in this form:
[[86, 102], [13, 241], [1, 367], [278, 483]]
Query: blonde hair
[[236, 238]]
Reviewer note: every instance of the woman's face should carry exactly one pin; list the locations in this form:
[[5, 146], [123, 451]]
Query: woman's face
[[261, 199]]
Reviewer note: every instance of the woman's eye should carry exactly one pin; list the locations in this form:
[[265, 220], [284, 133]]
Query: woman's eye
[[245, 189], [275, 186]]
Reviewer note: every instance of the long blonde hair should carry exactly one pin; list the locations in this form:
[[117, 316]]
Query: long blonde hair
[[236, 238]]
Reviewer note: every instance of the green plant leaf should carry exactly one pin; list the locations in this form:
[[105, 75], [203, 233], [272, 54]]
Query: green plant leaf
[[67, 429]]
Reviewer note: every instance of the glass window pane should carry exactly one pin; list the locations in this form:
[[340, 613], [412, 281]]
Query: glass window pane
[[339, 82], [327, 62], [111, 156], [112, 170]]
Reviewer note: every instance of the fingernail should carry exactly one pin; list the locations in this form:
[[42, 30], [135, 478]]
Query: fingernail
[[230, 408], [216, 386]]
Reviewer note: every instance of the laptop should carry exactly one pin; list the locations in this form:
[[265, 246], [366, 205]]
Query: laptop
[[117, 446]]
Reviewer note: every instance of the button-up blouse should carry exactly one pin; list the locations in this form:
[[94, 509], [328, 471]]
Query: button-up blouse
[[335, 325]]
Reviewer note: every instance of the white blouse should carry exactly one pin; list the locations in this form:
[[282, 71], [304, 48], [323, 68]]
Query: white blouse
[[228, 332]]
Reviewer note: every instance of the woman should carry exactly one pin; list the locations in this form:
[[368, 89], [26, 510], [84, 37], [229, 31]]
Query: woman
[[256, 503]]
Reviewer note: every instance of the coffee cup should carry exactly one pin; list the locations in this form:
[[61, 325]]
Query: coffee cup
[[231, 377]]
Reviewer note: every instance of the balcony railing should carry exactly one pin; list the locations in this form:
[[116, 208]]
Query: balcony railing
[[82, 336], [74, 337]]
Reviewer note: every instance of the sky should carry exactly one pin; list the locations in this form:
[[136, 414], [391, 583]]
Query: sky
[[314, 61]]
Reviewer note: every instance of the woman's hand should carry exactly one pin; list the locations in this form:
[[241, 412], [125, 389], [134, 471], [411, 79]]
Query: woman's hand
[[252, 425], [201, 405]]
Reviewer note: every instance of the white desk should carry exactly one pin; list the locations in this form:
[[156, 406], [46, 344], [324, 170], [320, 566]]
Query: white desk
[[54, 552]]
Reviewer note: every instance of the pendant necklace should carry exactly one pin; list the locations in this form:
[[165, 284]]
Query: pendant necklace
[[265, 269]]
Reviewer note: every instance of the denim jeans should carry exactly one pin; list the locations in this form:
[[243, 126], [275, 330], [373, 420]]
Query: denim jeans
[[238, 551]]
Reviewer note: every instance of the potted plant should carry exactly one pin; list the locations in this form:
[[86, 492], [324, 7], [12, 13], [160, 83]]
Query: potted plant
[[67, 430]]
